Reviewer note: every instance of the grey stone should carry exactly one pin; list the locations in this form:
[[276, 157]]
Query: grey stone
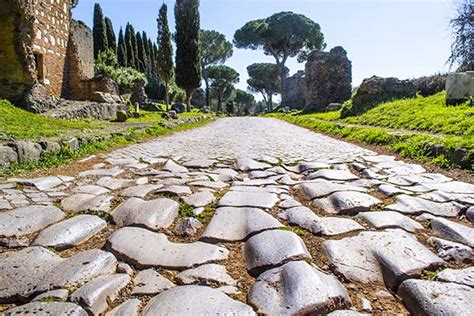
[[247, 164], [237, 224], [345, 312], [297, 288], [176, 190], [144, 248], [140, 191], [470, 214], [87, 203], [188, 226], [96, 294], [375, 256], [249, 199], [199, 163], [200, 300], [173, 167], [216, 185], [208, 274], [71, 232], [332, 174], [453, 231], [7, 155], [449, 250], [413, 205], [150, 282], [154, 214], [60, 295], [51, 308], [115, 184], [366, 305], [271, 249], [422, 297], [289, 203], [390, 190], [272, 189], [456, 187], [27, 151], [113, 172], [122, 267], [313, 165], [347, 202], [268, 159], [257, 174], [463, 276], [257, 182], [390, 219], [128, 308], [41, 184], [321, 188], [437, 196], [27, 220], [199, 199], [90, 189]]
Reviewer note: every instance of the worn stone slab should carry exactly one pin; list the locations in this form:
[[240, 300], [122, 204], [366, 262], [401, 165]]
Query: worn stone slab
[[249, 199], [208, 274], [90, 189], [215, 185], [140, 191], [200, 300], [297, 288], [413, 205], [450, 230], [289, 203], [42, 184], [60, 295], [87, 203], [50, 308], [347, 202], [225, 174], [96, 294], [456, 187], [150, 282], [199, 199], [449, 250], [23, 221], [247, 164], [322, 188], [113, 172], [114, 183], [258, 174], [391, 257], [237, 224], [470, 214], [130, 307], [313, 165], [153, 214], [333, 174], [271, 249], [176, 190], [462, 276], [391, 190], [390, 219], [199, 163], [173, 167], [272, 189], [145, 249], [71, 232], [326, 226], [422, 297]]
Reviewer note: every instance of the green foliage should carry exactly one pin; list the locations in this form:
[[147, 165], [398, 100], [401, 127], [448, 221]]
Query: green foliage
[[222, 80], [99, 31], [122, 50], [188, 47], [245, 102], [176, 94], [185, 210], [462, 48], [131, 47], [295, 229], [109, 31], [265, 79], [430, 275], [164, 58], [142, 62]]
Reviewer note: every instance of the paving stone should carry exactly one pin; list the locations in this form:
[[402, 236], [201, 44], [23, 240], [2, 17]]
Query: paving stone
[[390, 190], [297, 288], [130, 307], [449, 230], [144, 248], [453, 187], [257, 174], [121, 161], [249, 199], [216, 185], [200, 300], [400, 168], [122, 267], [199, 199], [41, 184], [150, 282], [199, 163], [238, 224], [462, 276], [140, 191], [321, 188], [173, 167], [21, 222], [273, 248], [225, 174], [208, 274], [313, 165], [347, 202], [5, 205], [449, 250], [60, 295], [247, 164], [289, 203], [176, 190], [273, 189], [369, 255], [390, 219], [87, 203], [96, 294], [188, 226], [50, 308], [414, 206], [101, 173], [331, 174], [326, 226], [71, 232], [153, 214], [470, 214], [268, 159], [423, 297], [345, 312], [115, 184]]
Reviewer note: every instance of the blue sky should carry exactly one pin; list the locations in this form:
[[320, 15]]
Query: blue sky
[[400, 38]]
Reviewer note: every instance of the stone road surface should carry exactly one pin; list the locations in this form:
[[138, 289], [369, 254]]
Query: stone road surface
[[239, 217]]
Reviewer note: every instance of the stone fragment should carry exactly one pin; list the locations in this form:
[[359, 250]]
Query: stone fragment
[[122, 267], [101, 173], [96, 295], [60, 295], [257, 174], [199, 163], [449, 230], [470, 214], [346, 312], [456, 187], [422, 297], [247, 164], [413, 205], [347, 202], [188, 226], [199, 199], [41, 184], [153, 214], [175, 190], [256, 182], [215, 185], [268, 159], [390, 219], [237, 224], [199, 300], [173, 167], [271, 249], [115, 184], [128, 308], [297, 288], [144, 249], [390, 190], [313, 165], [71, 232], [332, 174], [463, 276], [140, 191], [50, 308], [249, 199], [87, 203], [208, 274], [90, 189], [150, 282], [289, 203], [366, 305], [320, 188], [449, 250]]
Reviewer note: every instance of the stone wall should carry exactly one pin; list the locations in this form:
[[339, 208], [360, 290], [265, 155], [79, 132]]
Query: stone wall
[[295, 91]]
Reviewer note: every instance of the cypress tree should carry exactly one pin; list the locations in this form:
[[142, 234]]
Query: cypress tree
[[129, 33], [142, 63], [99, 31], [122, 50], [133, 36], [146, 52], [188, 55], [111, 39], [164, 56]]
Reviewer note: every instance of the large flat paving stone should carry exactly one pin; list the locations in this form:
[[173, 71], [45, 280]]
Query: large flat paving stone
[[391, 257], [462, 276], [173, 167], [195, 300], [145, 249], [247, 164], [453, 231], [41, 184], [27, 220], [140, 191], [237, 224], [249, 199], [154, 214], [128, 308], [271, 249], [448, 250], [115, 184], [207, 274], [199, 199], [50, 308], [456, 187], [321, 188], [333, 174], [113, 172], [90, 189], [297, 288], [71, 232], [390, 219], [347, 202], [414, 206], [423, 297], [87, 203], [96, 294], [150, 282]]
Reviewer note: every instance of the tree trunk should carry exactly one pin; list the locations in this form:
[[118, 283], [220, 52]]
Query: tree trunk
[[270, 103], [189, 96], [167, 97], [219, 103], [283, 78], [208, 93]]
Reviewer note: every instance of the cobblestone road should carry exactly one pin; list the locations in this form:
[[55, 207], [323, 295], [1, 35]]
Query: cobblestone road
[[242, 216]]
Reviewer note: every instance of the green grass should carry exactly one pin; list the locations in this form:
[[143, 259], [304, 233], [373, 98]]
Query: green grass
[[151, 117]]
